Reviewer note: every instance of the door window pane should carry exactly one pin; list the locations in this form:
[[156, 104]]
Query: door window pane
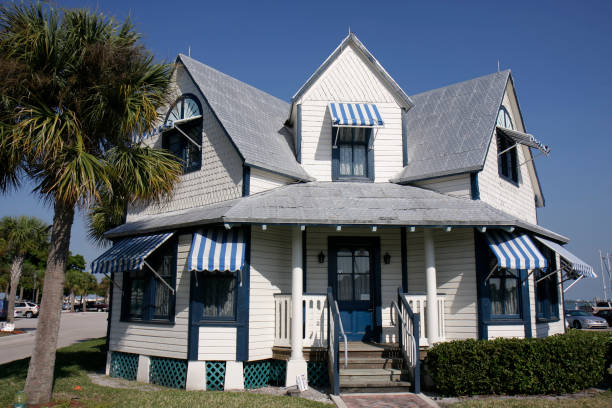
[[345, 269], [353, 274]]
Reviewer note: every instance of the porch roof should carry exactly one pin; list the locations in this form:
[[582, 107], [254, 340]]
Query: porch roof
[[339, 203]]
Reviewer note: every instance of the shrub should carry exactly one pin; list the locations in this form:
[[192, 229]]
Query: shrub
[[553, 365]]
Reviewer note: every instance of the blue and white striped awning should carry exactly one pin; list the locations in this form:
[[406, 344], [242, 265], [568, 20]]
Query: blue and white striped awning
[[217, 250], [355, 114], [577, 265], [515, 251], [128, 254]]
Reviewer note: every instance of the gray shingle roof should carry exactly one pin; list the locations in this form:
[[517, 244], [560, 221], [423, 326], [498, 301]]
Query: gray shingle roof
[[449, 129], [253, 119], [329, 203]]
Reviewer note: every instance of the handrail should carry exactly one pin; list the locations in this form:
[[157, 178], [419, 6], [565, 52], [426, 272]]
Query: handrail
[[414, 319], [401, 319], [343, 334]]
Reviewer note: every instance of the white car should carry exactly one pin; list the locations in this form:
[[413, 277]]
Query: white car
[[26, 309]]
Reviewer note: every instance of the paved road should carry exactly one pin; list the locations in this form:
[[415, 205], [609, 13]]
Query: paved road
[[74, 327]]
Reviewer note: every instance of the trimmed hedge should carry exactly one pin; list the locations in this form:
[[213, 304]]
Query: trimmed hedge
[[557, 364]]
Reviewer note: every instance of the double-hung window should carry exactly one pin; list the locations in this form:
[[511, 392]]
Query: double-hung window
[[547, 289], [352, 157], [183, 132], [145, 296], [219, 296], [504, 295], [507, 151]]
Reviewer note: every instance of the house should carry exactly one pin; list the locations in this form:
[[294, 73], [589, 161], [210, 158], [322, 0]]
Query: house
[[317, 236]]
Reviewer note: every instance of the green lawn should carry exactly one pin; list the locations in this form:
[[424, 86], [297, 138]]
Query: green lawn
[[74, 361], [597, 400]]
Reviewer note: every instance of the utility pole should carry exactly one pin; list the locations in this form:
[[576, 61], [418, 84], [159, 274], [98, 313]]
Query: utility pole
[[609, 269]]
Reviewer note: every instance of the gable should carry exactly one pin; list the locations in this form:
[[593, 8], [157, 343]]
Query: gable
[[449, 129], [349, 78], [251, 118]]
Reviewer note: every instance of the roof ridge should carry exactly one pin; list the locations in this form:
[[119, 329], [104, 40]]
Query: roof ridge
[[504, 72], [181, 55]]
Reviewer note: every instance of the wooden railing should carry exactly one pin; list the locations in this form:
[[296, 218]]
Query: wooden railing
[[315, 320], [418, 303], [335, 334], [407, 323]]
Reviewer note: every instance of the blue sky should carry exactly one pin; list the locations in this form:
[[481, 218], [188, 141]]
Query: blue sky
[[560, 53]]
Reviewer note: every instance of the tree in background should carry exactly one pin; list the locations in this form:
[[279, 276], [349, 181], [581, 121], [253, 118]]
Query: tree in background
[[104, 288], [21, 236], [76, 90], [74, 276]]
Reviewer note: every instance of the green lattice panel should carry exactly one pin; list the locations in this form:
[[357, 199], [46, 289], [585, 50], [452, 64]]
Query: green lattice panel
[[124, 365], [215, 375], [278, 372], [168, 372], [256, 374], [317, 374]]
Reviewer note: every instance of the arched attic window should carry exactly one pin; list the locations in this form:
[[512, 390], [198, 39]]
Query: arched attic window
[[182, 132], [507, 149]]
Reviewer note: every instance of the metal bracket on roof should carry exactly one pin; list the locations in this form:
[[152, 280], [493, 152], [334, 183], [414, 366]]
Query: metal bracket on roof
[[573, 283], [533, 158], [371, 143], [159, 277], [547, 275], [188, 138], [508, 149], [492, 270]]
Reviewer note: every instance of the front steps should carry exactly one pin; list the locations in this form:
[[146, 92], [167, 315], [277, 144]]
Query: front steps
[[372, 368]]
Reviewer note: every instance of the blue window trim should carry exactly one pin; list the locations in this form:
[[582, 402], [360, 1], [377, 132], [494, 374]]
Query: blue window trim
[[551, 301], [474, 187], [507, 316], [166, 135], [336, 160], [151, 285], [246, 180], [404, 139], [241, 322]]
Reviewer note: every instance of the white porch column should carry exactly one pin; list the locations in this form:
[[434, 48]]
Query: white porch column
[[432, 290], [296, 364], [144, 365]]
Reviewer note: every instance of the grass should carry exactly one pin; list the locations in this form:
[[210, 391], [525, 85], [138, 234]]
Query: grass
[[75, 361], [591, 400]]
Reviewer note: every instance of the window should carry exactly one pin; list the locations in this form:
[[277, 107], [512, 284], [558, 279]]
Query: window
[[351, 156], [547, 290], [353, 274], [504, 294], [145, 297], [508, 159], [219, 296], [183, 136]]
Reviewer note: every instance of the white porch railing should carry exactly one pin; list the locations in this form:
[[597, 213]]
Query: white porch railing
[[418, 303], [315, 320]]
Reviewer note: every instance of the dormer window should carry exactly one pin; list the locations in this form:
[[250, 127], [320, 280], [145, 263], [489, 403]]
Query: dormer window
[[354, 127], [507, 149], [182, 132]]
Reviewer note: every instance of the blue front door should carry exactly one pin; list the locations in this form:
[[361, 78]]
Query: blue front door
[[353, 272]]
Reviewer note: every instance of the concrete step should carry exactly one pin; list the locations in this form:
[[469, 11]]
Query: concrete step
[[375, 386], [369, 362], [368, 375]]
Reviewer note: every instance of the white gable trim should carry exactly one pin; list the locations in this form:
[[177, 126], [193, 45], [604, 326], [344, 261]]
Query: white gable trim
[[402, 98]]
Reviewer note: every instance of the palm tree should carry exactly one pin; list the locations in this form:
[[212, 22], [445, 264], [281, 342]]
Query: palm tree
[[75, 89], [22, 235]]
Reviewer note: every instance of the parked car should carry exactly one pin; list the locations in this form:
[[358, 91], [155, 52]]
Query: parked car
[[91, 306], [26, 309], [579, 319], [602, 306], [605, 314]]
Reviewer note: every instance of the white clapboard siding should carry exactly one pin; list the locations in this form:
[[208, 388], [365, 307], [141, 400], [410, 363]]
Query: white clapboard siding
[[262, 180], [456, 186], [507, 331], [500, 193], [217, 343], [456, 277], [220, 177], [391, 275], [161, 340], [349, 79], [270, 274]]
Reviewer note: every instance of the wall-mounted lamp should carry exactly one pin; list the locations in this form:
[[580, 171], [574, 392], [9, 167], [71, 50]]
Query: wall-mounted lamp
[[321, 257], [387, 258]]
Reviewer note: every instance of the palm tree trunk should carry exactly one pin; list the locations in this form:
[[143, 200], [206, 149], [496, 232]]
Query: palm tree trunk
[[39, 383], [36, 295], [72, 300], [20, 292], [15, 274]]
